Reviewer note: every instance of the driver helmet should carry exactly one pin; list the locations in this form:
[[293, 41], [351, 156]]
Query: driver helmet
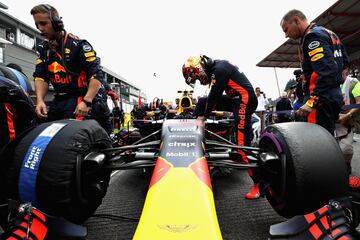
[[194, 70]]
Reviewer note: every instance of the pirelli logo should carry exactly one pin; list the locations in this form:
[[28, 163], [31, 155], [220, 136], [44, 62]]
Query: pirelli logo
[[89, 54], [90, 59], [317, 57], [315, 51]]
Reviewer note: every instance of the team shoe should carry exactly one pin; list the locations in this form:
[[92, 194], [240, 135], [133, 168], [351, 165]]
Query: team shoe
[[332, 221], [28, 222], [354, 182], [254, 192]]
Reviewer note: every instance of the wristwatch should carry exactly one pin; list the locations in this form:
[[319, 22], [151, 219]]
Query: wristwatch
[[87, 103]]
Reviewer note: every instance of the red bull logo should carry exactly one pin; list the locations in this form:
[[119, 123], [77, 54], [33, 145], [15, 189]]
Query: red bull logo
[[58, 79], [242, 112], [55, 67]]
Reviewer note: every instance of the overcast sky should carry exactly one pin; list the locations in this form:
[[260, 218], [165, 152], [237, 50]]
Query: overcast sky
[[137, 38]]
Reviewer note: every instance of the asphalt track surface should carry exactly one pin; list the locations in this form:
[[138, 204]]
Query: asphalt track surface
[[238, 218]]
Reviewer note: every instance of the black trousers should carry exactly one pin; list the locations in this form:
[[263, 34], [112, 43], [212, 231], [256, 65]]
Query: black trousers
[[325, 114], [242, 115], [64, 108]]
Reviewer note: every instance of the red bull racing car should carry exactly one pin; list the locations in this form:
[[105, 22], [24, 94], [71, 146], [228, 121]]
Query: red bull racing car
[[63, 168]]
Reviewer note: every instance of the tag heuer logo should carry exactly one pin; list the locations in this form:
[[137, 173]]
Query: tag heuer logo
[[313, 44]]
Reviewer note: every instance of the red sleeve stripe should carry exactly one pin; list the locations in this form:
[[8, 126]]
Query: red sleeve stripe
[[243, 92], [313, 79], [81, 80], [312, 116], [79, 99], [10, 121]]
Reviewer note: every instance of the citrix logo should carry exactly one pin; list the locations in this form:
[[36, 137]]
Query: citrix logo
[[182, 144]]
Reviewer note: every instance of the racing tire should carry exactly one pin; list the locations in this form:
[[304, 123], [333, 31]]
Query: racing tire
[[310, 172], [65, 186]]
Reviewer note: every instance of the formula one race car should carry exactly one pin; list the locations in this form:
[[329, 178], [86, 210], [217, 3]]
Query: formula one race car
[[63, 168], [73, 160]]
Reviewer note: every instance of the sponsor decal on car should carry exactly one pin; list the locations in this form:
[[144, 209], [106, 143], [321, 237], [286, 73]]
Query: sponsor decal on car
[[177, 228], [183, 129], [182, 136], [178, 154], [181, 144]]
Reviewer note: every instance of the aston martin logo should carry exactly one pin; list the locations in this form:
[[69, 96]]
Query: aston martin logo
[[177, 228]]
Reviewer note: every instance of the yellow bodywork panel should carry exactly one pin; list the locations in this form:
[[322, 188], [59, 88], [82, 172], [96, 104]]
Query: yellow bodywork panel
[[179, 206]]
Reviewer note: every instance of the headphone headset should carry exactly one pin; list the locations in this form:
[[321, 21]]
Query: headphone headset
[[56, 21], [206, 62], [58, 26]]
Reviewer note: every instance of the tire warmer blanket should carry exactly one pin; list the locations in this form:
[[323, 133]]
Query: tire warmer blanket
[[30, 165], [21, 79]]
